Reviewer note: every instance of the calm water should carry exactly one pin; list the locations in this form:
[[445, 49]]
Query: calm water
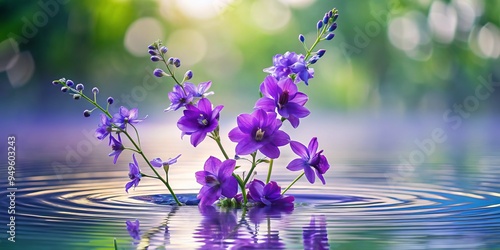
[[77, 201]]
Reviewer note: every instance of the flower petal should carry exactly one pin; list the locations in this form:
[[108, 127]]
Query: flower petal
[[247, 146], [235, 135], [299, 149], [270, 151], [300, 98], [208, 195], [270, 85], [229, 188], [200, 177], [205, 106], [313, 146], [297, 164], [212, 165], [245, 123], [266, 104], [197, 137], [280, 138], [157, 162], [226, 169], [309, 174]]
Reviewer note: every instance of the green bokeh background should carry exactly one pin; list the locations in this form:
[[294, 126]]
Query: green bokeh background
[[362, 72]]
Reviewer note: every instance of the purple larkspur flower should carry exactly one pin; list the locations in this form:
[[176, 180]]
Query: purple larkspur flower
[[133, 229], [283, 95], [105, 127], [134, 174], [217, 180], [258, 131], [267, 194], [157, 162], [290, 63], [198, 121], [200, 90], [310, 160], [126, 116], [117, 147], [179, 97]]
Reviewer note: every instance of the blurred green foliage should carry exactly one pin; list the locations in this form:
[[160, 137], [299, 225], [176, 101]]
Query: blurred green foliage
[[364, 69]]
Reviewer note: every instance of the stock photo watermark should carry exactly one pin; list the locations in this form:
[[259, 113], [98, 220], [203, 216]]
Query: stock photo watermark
[[453, 118], [77, 152], [11, 188]]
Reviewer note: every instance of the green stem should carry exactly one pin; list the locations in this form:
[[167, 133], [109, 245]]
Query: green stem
[[242, 187], [152, 168], [293, 182], [254, 164], [150, 176], [269, 171], [216, 137], [136, 134]]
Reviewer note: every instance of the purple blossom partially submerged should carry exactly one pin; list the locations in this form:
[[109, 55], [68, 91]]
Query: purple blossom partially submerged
[[198, 121], [259, 131], [126, 116], [217, 180], [117, 147], [157, 162], [179, 98], [310, 160], [134, 174], [267, 194], [284, 97]]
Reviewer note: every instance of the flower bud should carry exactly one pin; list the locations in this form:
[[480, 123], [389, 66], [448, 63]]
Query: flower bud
[[335, 17], [159, 73], [326, 18], [170, 61], [319, 24], [79, 87], [188, 75], [329, 36], [152, 52], [155, 59], [86, 113], [151, 47], [177, 62], [95, 90], [64, 89], [302, 39], [321, 52], [70, 83], [313, 59], [76, 96], [330, 13], [110, 100], [163, 49], [333, 27], [55, 82]]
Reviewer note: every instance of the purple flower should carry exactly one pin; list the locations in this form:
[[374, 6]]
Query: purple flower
[[104, 128], [200, 90], [133, 229], [268, 194], [198, 121], [217, 180], [157, 162], [258, 131], [179, 98], [126, 116], [283, 95], [290, 63], [315, 236], [117, 147], [134, 174], [310, 160]]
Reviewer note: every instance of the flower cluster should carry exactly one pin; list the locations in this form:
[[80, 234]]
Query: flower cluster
[[259, 134]]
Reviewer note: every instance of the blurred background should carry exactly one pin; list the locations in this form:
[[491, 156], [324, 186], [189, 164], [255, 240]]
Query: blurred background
[[391, 61]]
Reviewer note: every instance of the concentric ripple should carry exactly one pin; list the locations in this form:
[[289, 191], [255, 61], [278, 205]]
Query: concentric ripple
[[84, 212]]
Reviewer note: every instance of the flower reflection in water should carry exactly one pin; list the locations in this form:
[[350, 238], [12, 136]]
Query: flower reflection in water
[[219, 228], [315, 235]]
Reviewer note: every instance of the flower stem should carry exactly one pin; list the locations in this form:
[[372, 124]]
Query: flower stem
[[269, 171], [242, 186], [152, 168], [215, 135], [293, 182], [254, 164]]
